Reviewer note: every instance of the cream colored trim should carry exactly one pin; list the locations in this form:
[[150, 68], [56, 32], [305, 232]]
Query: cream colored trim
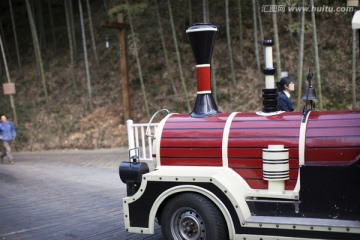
[[297, 186], [224, 178], [225, 140], [203, 92], [264, 237], [202, 65], [302, 138]]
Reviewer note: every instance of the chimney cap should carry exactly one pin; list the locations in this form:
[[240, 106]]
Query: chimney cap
[[199, 27]]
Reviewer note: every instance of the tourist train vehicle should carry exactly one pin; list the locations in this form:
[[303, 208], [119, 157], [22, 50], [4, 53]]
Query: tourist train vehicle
[[245, 175]]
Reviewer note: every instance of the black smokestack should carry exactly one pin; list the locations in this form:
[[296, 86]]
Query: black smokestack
[[202, 39]]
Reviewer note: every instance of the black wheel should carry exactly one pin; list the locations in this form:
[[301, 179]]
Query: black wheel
[[191, 216]]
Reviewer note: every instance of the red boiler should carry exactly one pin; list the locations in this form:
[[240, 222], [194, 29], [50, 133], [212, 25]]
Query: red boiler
[[237, 140]]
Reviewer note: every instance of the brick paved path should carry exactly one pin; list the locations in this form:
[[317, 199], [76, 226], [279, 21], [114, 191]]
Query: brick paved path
[[64, 195]]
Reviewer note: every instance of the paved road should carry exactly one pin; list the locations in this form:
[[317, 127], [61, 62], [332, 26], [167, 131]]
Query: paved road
[[64, 195]]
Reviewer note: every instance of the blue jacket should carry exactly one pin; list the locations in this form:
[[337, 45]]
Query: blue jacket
[[285, 103], [7, 131]]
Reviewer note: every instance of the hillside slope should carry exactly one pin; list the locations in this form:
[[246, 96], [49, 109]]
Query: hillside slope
[[67, 122]]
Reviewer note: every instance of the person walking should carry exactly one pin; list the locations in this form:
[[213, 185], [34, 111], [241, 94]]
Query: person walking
[[286, 86], [7, 135]]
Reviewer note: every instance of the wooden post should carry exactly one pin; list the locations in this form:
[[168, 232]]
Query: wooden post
[[122, 27], [124, 68]]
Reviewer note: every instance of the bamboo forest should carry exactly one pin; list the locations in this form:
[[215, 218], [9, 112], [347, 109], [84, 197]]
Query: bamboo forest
[[73, 71]]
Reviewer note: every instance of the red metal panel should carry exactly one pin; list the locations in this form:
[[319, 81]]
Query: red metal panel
[[262, 184], [332, 142], [331, 156], [333, 132], [257, 184], [332, 138], [203, 78], [257, 163], [188, 141], [244, 152], [262, 142], [191, 161], [255, 173], [279, 132], [191, 152], [251, 133], [336, 123], [192, 141], [187, 133], [245, 163]]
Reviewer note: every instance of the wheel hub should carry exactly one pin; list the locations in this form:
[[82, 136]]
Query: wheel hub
[[188, 225]]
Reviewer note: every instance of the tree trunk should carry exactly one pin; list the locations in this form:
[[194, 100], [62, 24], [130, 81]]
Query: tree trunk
[[72, 28], [164, 49], [205, 11], [138, 63], [290, 25], [15, 36], [88, 79], [92, 35], [277, 44], [190, 12], [12, 102], [212, 69], [353, 78], [2, 33], [241, 38], [40, 23], [260, 20], [71, 44], [228, 36], [52, 24], [301, 58], [256, 40], [37, 49], [178, 56], [316, 52]]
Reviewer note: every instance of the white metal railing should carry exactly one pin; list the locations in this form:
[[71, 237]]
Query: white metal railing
[[137, 138]]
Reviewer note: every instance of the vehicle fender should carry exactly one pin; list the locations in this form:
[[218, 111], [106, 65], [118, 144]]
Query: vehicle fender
[[231, 184]]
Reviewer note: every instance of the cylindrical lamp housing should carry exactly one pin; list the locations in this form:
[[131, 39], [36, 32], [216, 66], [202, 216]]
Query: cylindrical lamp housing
[[276, 166], [202, 39]]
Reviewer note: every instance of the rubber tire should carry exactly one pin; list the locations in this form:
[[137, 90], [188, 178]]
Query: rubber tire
[[214, 223]]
